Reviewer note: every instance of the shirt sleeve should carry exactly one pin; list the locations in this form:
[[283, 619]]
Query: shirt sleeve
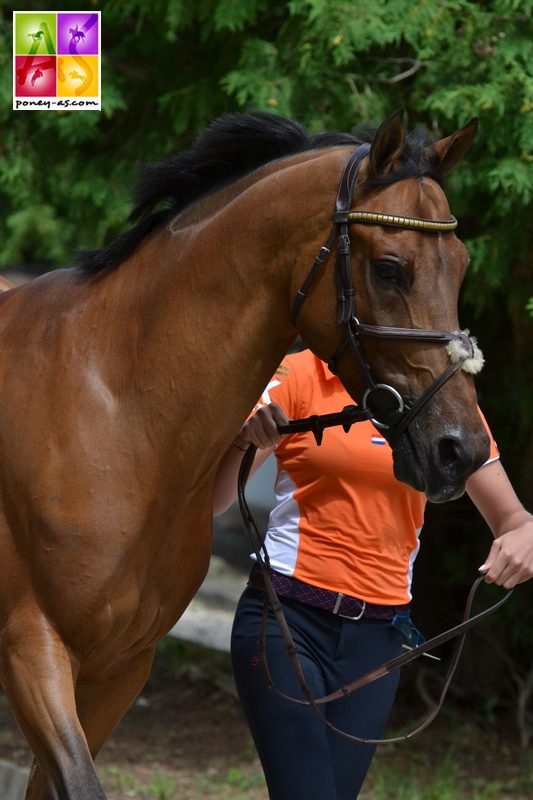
[[494, 453], [282, 389]]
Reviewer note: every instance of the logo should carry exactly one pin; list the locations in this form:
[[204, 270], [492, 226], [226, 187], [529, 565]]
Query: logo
[[56, 60]]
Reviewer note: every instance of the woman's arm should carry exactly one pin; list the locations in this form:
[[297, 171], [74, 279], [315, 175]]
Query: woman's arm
[[510, 560], [260, 430]]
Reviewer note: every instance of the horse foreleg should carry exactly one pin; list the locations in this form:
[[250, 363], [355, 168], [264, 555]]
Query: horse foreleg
[[102, 704], [38, 676]]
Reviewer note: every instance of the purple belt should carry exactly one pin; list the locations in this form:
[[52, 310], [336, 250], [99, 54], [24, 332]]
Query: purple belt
[[336, 603]]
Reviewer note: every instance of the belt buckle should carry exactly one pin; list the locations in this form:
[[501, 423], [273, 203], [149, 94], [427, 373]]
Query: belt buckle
[[337, 605]]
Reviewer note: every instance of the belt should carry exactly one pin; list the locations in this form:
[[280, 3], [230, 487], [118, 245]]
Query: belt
[[336, 603]]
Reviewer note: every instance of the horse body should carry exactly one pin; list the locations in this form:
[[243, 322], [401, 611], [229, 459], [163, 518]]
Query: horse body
[[134, 436], [120, 393]]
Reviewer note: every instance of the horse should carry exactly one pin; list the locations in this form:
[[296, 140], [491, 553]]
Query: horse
[[124, 378], [76, 35]]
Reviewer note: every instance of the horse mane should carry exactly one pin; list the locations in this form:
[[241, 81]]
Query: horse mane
[[231, 147]]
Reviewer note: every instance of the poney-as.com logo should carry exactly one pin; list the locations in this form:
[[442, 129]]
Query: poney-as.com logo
[[56, 60]]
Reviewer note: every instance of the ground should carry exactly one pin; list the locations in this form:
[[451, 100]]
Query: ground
[[185, 739]]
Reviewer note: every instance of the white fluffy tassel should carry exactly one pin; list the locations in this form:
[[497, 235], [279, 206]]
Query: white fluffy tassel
[[473, 360]]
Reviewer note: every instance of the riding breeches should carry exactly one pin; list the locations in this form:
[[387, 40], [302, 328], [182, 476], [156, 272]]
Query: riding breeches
[[302, 759]]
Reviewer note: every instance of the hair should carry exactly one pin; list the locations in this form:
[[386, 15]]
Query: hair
[[232, 146]]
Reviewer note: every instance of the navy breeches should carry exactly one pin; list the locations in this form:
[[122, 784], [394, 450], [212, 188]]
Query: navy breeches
[[301, 758]]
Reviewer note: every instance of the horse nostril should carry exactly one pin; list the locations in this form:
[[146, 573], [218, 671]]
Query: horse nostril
[[452, 453]]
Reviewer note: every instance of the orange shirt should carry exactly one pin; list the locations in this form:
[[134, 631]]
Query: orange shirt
[[341, 520]]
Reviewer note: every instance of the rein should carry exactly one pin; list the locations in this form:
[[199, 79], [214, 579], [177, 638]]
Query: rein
[[316, 424], [390, 410]]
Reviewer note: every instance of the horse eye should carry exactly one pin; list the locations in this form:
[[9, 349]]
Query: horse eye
[[389, 271]]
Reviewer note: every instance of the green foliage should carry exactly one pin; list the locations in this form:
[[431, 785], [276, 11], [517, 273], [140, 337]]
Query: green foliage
[[179, 63]]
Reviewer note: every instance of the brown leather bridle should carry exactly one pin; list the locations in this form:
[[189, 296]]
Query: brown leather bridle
[[389, 410]]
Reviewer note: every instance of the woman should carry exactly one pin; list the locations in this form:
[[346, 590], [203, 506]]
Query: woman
[[342, 539]]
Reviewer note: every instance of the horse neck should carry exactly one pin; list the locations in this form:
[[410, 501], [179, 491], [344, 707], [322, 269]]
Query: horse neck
[[209, 301]]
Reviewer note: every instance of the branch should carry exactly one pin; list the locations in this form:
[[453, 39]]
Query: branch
[[414, 65], [402, 76]]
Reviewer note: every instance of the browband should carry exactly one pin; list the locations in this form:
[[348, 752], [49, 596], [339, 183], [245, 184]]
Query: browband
[[416, 223]]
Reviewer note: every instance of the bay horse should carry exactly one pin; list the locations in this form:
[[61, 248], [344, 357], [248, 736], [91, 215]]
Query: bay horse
[[124, 379]]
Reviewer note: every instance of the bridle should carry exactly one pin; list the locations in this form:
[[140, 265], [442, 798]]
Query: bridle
[[389, 410]]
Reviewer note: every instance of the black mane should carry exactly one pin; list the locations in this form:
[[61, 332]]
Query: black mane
[[230, 147]]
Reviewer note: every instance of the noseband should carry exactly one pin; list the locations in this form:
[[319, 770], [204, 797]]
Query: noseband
[[388, 408]]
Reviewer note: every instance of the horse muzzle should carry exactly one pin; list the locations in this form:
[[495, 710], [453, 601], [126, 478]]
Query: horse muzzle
[[439, 465]]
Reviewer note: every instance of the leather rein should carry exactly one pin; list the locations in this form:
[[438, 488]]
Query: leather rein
[[376, 406]]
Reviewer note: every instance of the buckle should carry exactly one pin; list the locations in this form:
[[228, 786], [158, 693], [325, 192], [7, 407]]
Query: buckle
[[337, 605], [396, 396]]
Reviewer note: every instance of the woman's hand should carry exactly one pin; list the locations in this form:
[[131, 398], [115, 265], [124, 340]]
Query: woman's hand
[[510, 560], [261, 429]]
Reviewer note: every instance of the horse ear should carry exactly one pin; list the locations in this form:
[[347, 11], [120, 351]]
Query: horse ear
[[387, 145], [446, 153]]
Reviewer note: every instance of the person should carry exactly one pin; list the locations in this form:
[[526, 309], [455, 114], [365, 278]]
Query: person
[[341, 539]]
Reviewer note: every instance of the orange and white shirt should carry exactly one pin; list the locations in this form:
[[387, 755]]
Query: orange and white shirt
[[341, 520]]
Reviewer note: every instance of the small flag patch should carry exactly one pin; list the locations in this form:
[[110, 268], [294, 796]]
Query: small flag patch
[[378, 440]]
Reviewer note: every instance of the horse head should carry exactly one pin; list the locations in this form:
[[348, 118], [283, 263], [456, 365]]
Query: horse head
[[386, 319], [396, 341]]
